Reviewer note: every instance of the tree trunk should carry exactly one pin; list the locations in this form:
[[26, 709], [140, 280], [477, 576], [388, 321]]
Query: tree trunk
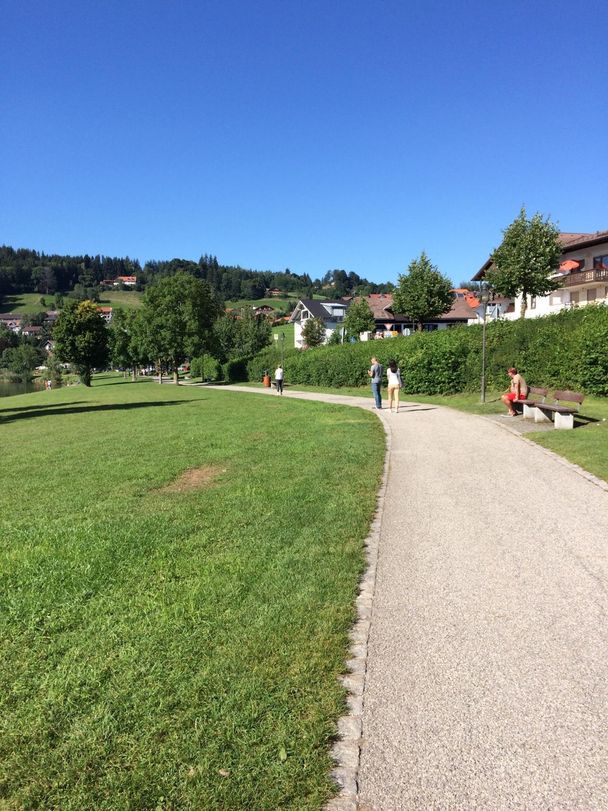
[[85, 377], [175, 376], [134, 374], [419, 326], [160, 372], [524, 306]]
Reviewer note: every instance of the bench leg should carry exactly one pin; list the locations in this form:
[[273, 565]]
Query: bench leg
[[564, 421], [528, 412], [540, 416]]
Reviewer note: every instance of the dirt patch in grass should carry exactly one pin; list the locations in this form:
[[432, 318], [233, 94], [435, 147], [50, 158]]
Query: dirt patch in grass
[[196, 478]]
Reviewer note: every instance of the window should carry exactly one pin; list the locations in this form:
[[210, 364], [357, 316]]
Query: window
[[533, 303], [600, 261], [555, 298], [574, 294], [591, 294]]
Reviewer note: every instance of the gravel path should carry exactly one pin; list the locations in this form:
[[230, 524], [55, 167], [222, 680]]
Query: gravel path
[[487, 659]]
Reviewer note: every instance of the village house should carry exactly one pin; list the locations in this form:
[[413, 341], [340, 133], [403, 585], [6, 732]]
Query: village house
[[128, 281], [330, 312], [31, 331], [582, 276], [105, 313], [388, 323], [11, 321], [264, 310]]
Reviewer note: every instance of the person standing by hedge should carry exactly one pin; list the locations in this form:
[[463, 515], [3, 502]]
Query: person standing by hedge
[[393, 374], [375, 373], [278, 379]]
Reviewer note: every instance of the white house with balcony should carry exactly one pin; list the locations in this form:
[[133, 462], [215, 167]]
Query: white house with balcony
[[582, 275]]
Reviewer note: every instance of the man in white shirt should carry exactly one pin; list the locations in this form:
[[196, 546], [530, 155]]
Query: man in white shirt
[[278, 379]]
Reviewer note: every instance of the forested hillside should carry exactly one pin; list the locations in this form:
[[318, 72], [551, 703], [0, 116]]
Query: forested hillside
[[29, 271]]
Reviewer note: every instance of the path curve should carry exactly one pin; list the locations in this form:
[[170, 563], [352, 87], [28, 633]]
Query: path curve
[[487, 659]]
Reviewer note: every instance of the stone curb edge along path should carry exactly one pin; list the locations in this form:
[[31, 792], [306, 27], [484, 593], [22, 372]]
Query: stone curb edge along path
[[346, 750]]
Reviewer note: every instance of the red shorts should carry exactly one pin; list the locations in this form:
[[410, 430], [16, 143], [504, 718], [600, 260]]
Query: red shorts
[[512, 396]]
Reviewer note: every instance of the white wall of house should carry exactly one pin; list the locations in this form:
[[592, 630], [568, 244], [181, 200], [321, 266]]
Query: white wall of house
[[588, 289], [576, 296]]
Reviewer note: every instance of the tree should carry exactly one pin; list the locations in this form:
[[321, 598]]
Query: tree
[[359, 318], [423, 293], [125, 349], [179, 312], [7, 338], [22, 359], [313, 332], [81, 338], [526, 259], [242, 336]]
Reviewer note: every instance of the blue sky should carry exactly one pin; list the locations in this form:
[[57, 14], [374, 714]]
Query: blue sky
[[309, 135]]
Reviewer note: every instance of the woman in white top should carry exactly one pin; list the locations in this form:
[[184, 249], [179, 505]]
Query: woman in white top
[[394, 384]]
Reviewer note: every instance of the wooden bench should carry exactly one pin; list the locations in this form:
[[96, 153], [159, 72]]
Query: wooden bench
[[561, 415], [529, 404]]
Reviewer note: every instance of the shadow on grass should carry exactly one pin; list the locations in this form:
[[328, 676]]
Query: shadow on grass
[[39, 406], [46, 411], [580, 420]]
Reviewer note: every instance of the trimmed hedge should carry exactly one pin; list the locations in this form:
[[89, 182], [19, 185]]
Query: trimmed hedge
[[235, 370], [568, 349]]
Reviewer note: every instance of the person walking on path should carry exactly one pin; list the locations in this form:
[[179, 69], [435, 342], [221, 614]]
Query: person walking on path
[[375, 373], [393, 374], [278, 379], [518, 390]]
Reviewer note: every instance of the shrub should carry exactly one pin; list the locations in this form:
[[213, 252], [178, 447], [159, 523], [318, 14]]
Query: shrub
[[566, 349], [235, 370], [206, 367]]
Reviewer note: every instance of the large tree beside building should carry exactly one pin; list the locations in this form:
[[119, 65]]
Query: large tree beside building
[[359, 318], [526, 260], [423, 292], [81, 338], [178, 313]]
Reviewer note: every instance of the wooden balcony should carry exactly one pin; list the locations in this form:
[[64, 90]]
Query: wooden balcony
[[586, 277]]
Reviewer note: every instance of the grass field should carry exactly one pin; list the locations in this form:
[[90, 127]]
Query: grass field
[[277, 303], [178, 567], [24, 303], [127, 299], [287, 330], [586, 446]]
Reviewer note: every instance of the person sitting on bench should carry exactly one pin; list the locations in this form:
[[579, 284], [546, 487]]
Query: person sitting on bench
[[518, 390]]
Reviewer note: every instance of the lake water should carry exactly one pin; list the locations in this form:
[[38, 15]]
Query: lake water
[[7, 389]]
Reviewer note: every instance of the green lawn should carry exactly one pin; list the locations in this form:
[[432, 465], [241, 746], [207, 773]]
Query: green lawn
[[172, 649], [24, 303], [287, 330], [586, 445], [277, 303], [127, 299]]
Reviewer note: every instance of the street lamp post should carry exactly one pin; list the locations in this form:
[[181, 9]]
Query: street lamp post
[[282, 348], [486, 294]]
